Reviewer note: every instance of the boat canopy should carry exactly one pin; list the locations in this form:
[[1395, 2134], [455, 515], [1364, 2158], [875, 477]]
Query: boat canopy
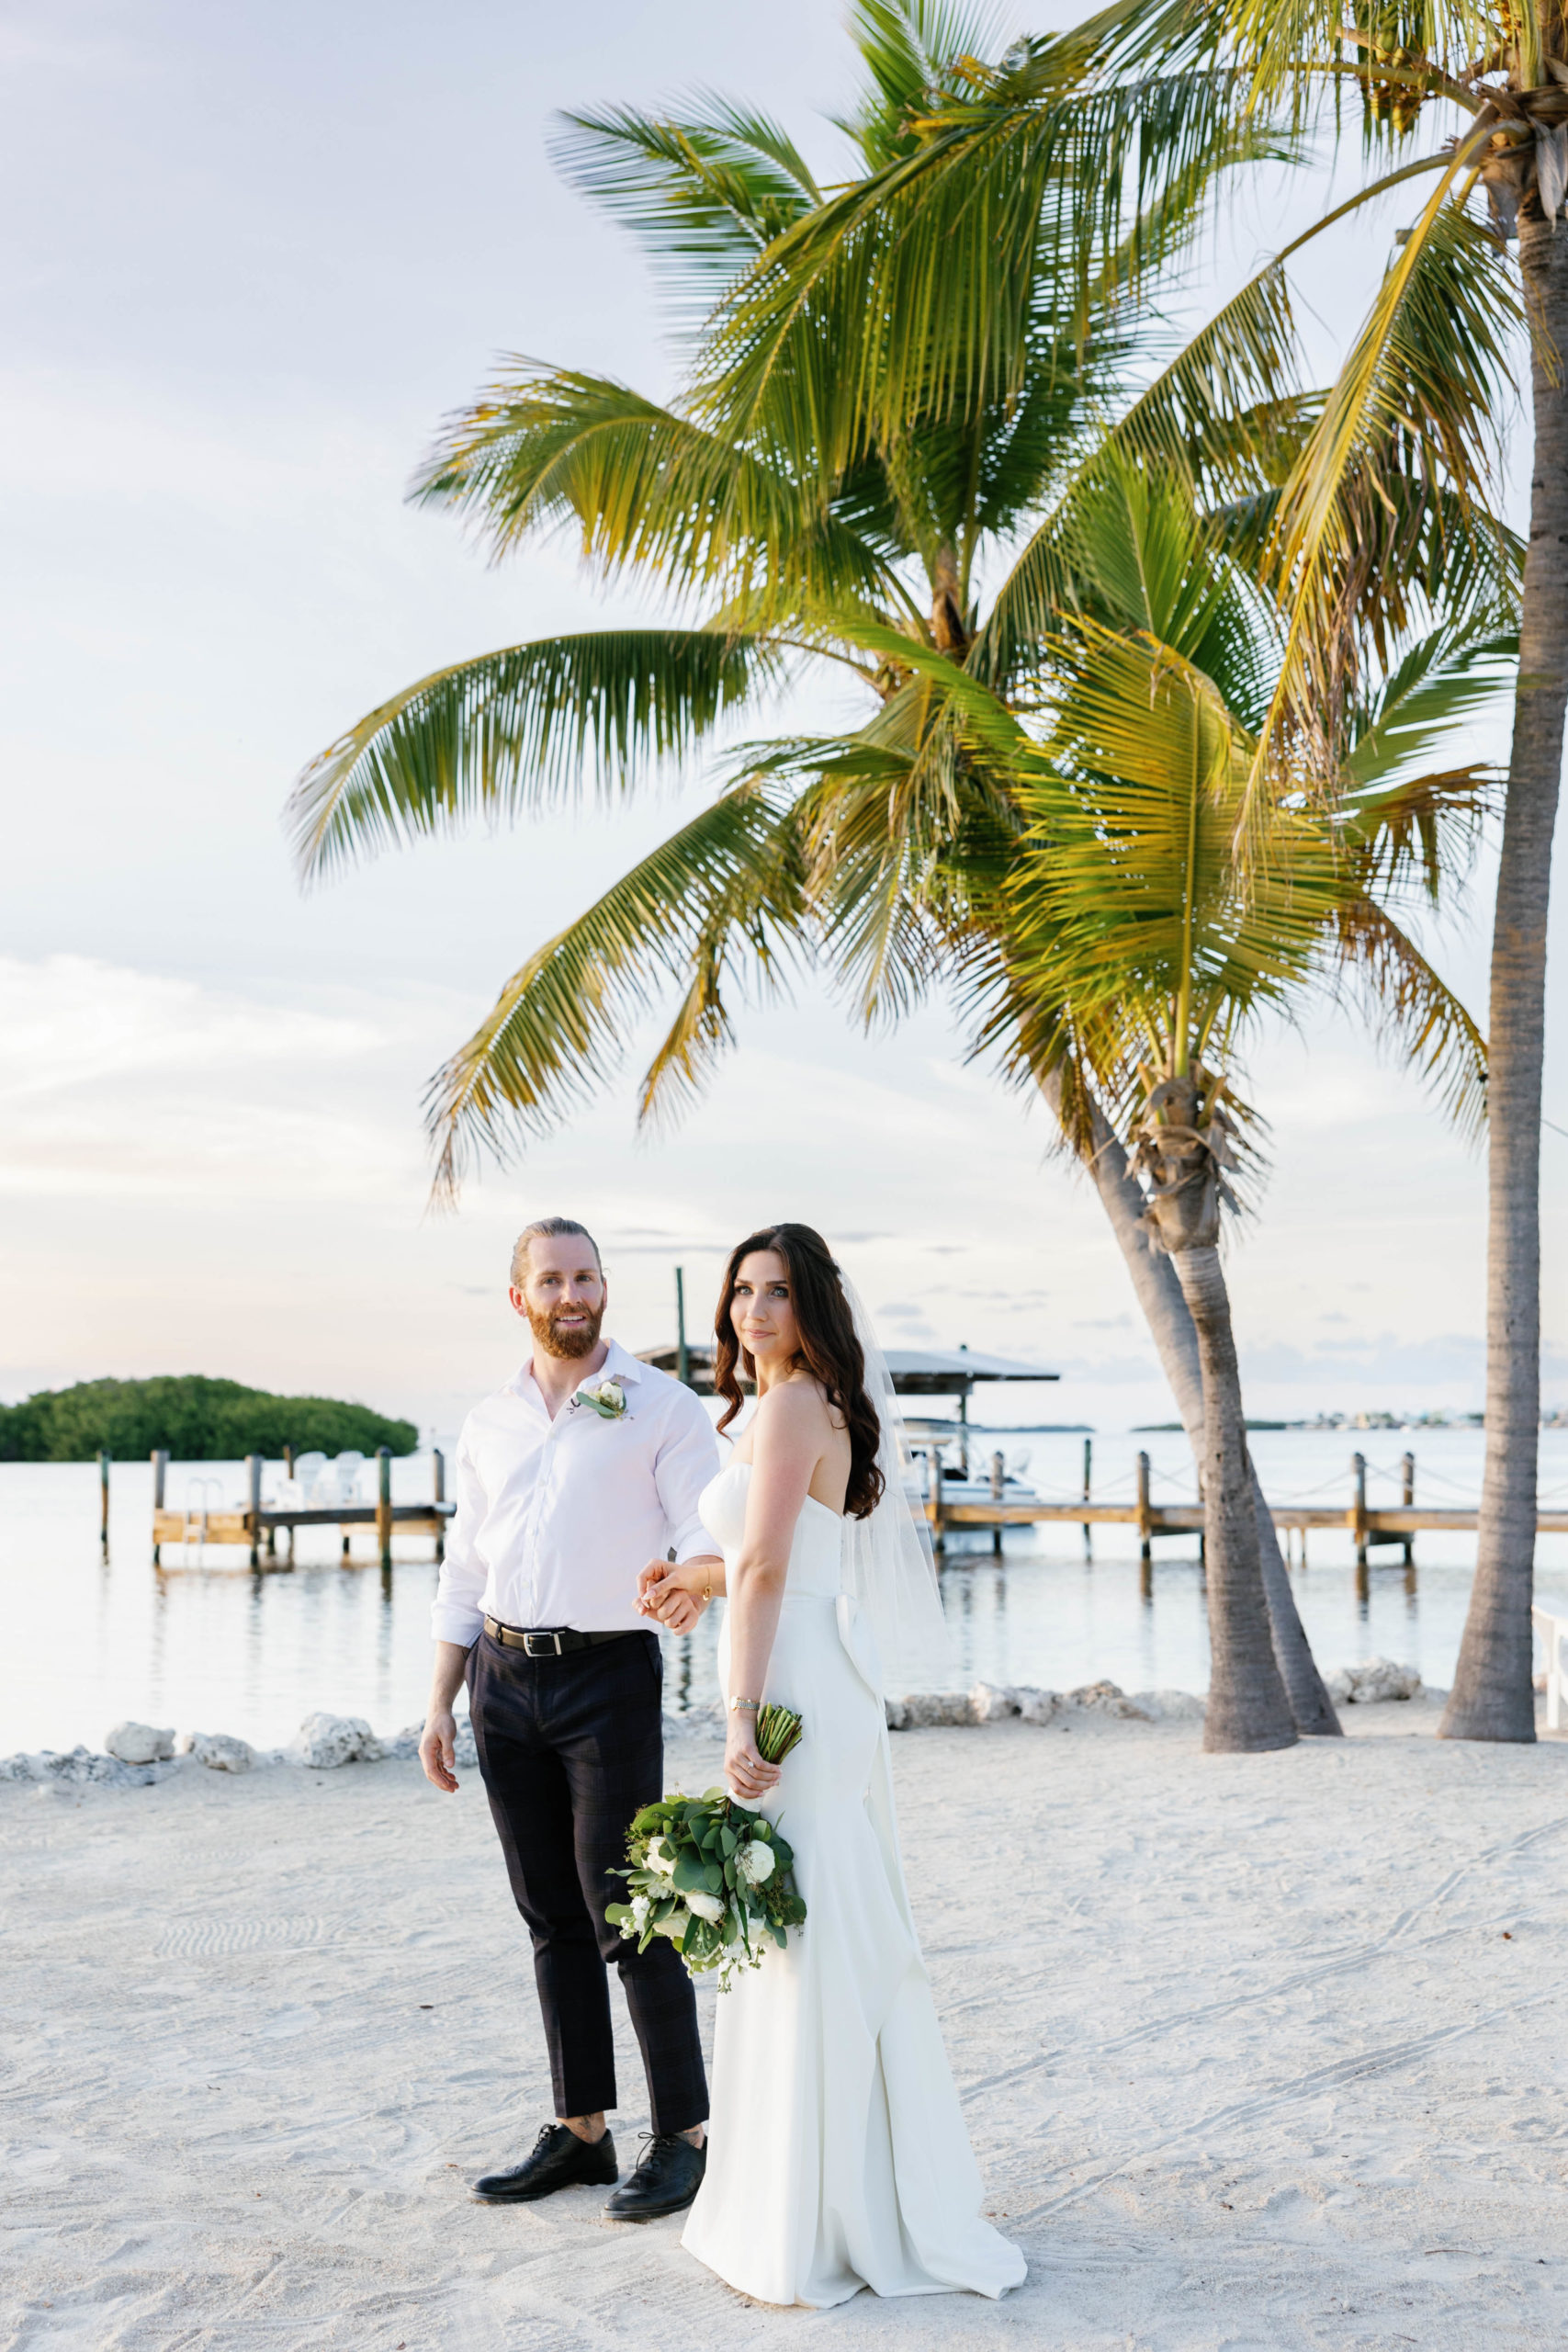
[[916, 1372]]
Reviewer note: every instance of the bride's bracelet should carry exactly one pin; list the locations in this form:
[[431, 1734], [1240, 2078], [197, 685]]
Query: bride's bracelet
[[746, 1707]]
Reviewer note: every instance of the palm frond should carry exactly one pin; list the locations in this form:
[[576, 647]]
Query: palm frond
[[942, 683], [704, 191], [1215, 414], [1440, 682], [1279, 37], [1130, 900], [913, 291], [1422, 833], [644, 488], [1413, 1010], [725, 887], [519, 731], [1417, 395]]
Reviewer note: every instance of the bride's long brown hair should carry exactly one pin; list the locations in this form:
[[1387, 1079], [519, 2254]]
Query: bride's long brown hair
[[829, 1347]]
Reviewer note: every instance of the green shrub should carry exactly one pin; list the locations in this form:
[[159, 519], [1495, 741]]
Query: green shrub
[[192, 1418]]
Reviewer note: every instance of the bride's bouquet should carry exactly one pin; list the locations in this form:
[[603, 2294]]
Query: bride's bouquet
[[718, 1880]]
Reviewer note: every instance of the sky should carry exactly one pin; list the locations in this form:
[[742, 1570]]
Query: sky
[[251, 256]]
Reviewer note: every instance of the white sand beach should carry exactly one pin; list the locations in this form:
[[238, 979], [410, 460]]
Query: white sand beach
[[1263, 2052]]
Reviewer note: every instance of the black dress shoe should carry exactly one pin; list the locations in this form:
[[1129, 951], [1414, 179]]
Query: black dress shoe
[[668, 2174], [558, 2160]]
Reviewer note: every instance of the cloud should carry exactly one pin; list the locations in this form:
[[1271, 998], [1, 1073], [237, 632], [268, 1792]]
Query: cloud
[[66, 1021], [118, 1082]]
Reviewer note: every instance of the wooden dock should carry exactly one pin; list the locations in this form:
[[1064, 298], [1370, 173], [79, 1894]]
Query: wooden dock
[[255, 1529], [1187, 1519], [1366, 1524]]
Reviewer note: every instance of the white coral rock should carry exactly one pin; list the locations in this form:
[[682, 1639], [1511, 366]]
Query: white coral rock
[[991, 1703], [325, 1742], [1171, 1706], [135, 1743], [1105, 1699], [1036, 1706], [1375, 1679], [219, 1750]]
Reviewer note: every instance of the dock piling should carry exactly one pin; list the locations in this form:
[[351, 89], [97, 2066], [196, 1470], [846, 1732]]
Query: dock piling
[[104, 1502], [253, 1505], [1359, 1521], [998, 1480], [383, 1504], [1087, 1481], [438, 1473], [1407, 1494], [160, 1481], [1145, 1527]]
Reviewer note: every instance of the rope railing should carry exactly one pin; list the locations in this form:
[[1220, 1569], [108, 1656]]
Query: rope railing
[[1178, 1485]]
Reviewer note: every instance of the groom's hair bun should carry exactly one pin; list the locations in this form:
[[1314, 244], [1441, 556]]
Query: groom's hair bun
[[546, 1229]]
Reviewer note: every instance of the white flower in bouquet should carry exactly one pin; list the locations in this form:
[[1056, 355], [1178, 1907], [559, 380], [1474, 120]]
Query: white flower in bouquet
[[754, 1862], [642, 1911], [675, 1925], [661, 1859], [706, 1906]]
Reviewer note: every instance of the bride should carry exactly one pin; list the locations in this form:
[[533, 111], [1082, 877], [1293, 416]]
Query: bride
[[838, 2157]]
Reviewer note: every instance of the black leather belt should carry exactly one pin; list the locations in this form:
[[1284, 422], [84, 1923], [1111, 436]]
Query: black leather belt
[[548, 1641]]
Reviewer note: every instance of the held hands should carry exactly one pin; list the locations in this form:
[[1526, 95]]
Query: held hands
[[671, 1592]]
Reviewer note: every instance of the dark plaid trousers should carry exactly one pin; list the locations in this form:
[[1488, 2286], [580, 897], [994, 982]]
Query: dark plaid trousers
[[570, 1749]]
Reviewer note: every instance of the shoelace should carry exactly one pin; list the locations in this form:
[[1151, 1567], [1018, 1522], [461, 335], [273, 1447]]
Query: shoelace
[[651, 2140]]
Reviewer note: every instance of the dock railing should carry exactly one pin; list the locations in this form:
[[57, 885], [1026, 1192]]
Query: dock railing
[[255, 1525], [1367, 1524]]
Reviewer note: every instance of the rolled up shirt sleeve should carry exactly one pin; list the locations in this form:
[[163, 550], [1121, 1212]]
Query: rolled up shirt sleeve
[[455, 1613], [688, 1459]]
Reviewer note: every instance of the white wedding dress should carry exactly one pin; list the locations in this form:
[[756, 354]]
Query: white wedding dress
[[836, 2153]]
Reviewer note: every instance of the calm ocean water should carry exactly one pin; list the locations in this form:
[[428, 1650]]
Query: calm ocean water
[[210, 1646]]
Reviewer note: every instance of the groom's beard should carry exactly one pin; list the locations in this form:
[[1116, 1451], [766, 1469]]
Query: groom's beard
[[556, 1342]]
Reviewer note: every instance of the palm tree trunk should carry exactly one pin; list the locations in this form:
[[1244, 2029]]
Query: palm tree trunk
[[1493, 1697], [1248, 1708], [1175, 1336]]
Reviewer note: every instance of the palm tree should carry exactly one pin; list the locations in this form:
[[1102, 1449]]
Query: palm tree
[[804, 537], [1144, 929], [1502, 72], [1426, 387]]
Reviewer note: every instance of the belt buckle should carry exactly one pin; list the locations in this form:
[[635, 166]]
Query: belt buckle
[[529, 1640]]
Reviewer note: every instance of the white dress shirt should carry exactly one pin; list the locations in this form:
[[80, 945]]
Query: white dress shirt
[[555, 1518]]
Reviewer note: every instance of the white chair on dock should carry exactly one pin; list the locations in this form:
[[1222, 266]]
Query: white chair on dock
[[1553, 1635], [347, 1470], [203, 1497], [307, 1469]]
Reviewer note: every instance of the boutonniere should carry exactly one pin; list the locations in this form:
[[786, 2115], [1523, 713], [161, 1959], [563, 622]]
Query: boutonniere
[[605, 1397]]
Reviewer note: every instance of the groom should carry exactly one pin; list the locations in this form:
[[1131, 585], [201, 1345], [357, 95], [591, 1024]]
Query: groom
[[561, 1502]]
